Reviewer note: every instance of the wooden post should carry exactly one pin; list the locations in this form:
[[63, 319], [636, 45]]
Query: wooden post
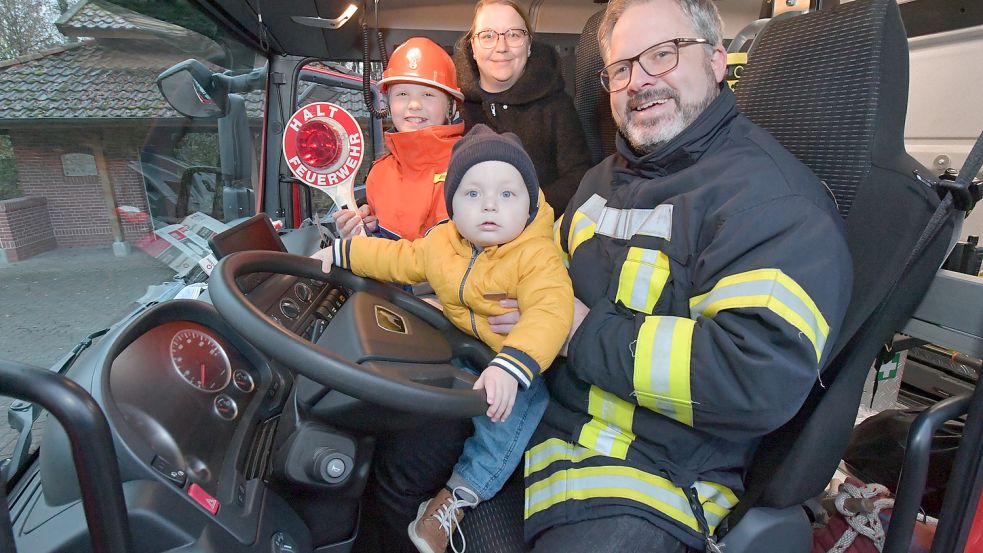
[[109, 195]]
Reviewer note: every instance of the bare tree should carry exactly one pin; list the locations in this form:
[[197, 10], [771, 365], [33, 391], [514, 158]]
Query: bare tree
[[26, 26]]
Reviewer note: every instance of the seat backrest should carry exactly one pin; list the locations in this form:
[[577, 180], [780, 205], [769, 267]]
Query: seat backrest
[[590, 99], [832, 87]]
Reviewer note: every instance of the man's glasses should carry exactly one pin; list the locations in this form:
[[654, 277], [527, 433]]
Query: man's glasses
[[656, 61], [489, 38]]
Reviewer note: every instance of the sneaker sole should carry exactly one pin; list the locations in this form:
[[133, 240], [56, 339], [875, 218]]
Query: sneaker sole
[[421, 544]]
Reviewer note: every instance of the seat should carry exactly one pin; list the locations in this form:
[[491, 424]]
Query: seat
[[831, 86], [590, 99]]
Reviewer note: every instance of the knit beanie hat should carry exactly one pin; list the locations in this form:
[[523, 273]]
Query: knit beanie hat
[[483, 144]]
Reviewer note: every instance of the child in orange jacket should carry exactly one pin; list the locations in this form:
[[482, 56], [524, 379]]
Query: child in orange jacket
[[405, 188]]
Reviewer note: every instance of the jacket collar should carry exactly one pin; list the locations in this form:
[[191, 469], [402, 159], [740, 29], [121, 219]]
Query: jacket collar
[[541, 77], [687, 147], [422, 149]]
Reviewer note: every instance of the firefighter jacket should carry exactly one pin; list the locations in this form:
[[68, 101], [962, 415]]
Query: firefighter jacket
[[528, 268], [406, 187], [536, 109], [717, 275]]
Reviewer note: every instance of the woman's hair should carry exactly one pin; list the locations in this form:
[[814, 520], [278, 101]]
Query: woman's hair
[[702, 15], [461, 42]]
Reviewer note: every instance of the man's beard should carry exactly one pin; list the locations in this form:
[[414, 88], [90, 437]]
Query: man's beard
[[650, 134]]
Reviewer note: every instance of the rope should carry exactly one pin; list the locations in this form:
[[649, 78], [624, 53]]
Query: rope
[[861, 523]]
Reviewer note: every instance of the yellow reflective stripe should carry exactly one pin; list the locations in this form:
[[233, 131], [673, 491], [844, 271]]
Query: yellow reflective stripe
[[610, 408], [770, 289], [581, 229], [632, 484], [439, 177], [559, 243], [552, 450], [643, 277], [605, 438], [662, 367], [609, 431]]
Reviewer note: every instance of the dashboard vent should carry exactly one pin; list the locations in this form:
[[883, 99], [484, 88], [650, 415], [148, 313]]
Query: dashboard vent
[[258, 458]]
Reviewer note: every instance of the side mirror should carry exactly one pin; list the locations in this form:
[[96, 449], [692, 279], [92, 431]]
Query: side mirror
[[188, 88]]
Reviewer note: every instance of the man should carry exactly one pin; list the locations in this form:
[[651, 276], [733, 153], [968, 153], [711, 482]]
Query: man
[[711, 277]]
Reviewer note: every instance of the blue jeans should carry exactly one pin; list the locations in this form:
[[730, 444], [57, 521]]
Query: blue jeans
[[495, 449]]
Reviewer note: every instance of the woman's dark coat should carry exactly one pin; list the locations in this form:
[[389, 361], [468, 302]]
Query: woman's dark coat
[[538, 110]]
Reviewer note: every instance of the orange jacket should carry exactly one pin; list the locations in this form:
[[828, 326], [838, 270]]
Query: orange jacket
[[405, 188]]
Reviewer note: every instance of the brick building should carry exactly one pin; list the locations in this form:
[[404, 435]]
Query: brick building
[[77, 116]]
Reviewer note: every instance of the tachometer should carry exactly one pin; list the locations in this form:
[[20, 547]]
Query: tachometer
[[200, 360]]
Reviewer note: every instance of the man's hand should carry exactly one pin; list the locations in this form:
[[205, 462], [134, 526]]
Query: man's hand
[[502, 324], [327, 258], [580, 311], [346, 221], [500, 387]]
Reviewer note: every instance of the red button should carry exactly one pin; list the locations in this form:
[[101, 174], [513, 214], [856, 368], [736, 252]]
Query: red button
[[201, 496]]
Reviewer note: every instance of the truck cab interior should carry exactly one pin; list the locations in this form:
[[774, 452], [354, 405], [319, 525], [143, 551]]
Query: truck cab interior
[[263, 436]]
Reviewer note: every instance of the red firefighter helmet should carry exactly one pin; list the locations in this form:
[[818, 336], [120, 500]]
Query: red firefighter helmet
[[419, 60]]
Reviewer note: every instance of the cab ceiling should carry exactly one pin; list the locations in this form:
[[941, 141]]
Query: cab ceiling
[[443, 20]]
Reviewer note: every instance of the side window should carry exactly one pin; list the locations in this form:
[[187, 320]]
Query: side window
[[342, 87]]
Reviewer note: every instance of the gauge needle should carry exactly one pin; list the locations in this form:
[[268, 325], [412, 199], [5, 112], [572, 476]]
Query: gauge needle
[[202, 374]]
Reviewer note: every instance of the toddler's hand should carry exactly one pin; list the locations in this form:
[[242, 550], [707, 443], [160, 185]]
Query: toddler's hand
[[501, 388], [327, 258]]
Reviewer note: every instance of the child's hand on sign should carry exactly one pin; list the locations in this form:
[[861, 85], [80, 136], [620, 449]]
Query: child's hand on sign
[[347, 221]]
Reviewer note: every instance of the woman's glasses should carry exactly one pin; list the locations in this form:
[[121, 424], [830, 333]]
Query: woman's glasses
[[489, 38]]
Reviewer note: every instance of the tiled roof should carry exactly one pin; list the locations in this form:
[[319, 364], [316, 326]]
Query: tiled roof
[[92, 81], [88, 15], [348, 99]]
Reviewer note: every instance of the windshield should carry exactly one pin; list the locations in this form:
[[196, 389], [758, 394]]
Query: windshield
[[107, 194]]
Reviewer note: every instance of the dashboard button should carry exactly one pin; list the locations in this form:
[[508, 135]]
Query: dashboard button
[[169, 471], [203, 498]]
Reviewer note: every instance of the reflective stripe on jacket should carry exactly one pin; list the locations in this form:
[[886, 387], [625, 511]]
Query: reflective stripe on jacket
[[717, 275]]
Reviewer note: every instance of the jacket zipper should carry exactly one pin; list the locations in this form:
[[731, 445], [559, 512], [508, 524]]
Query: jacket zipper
[[493, 109], [474, 255]]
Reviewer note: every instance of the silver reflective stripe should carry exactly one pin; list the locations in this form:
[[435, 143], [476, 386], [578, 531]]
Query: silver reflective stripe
[[642, 286], [660, 364], [606, 484], [593, 208], [706, 490], [768, 287], [560, 451], [606, 438], [625, 223]]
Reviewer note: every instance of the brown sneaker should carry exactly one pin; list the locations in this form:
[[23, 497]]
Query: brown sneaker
[[437, 519]]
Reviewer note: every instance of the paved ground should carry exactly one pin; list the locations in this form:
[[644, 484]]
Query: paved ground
[[50, 302]]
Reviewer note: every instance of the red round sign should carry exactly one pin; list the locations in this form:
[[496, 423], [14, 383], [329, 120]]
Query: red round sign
[[344, 155]]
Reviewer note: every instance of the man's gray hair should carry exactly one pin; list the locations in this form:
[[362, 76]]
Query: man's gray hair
[[702, 14]]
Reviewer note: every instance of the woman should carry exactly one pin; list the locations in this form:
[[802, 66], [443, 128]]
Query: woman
[[512, 83]]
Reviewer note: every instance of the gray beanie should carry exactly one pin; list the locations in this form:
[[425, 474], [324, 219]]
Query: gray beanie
[[483, 144]]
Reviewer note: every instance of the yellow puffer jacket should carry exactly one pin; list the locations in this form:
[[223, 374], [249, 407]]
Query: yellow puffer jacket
[[528, 268]]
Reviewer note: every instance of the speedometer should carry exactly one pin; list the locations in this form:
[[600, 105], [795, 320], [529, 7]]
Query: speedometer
[[200, 360]]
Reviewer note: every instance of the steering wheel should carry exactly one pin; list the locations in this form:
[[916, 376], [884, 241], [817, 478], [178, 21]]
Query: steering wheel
[[391, 375]]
